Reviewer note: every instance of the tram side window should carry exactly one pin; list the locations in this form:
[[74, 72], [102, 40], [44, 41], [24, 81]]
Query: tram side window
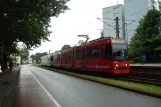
[[83, 54], [77, 54], [69, 56], [51, 58], [63, 56], [95, 52], [89, 53], [107, 51], [58, 56]]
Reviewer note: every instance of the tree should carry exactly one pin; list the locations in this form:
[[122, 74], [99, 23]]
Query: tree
[[37, 57], [147, 38], [65, 47], [153, 3], [26, 21], [133, 51], [23, 52], [5, 51], [159, 2]]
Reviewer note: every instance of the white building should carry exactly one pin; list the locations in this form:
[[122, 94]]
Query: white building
[[134, 11], [109, 15], [129, 15], [16, 59]]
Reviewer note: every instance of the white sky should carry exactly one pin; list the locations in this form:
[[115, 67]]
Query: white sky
[[68, 25]]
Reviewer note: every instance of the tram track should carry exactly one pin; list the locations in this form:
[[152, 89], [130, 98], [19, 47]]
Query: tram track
[[139, 80]]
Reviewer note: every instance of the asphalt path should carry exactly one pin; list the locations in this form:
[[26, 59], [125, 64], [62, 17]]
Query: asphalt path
[[70, 91]]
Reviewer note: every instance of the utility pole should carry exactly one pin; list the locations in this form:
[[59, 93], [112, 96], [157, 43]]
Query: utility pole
[[126, 33], [49, 52], [117, 27], [102, 34]]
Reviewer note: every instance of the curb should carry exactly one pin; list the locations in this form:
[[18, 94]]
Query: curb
[[117, 86], [10, 89]]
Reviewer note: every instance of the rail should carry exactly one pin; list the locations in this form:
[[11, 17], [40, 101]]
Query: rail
[[139, 80]]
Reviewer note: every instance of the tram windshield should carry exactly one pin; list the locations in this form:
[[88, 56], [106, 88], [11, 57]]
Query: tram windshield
[[119, 51]]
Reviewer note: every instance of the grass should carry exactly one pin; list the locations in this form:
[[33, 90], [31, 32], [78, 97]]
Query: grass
[[126, 84]]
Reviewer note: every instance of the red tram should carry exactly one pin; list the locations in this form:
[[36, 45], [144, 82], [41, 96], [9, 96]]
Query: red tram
[[67, 58], [100, 55], [57, 62]]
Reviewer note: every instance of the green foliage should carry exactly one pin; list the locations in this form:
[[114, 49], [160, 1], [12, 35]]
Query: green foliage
[[65, 47], [26, 21], [23, 52], [147, 38], [153, 3], [6, 49], [136, 59], [159, 2], [37, 57]]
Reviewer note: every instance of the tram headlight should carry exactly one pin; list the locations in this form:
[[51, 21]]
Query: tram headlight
[[125, 64], [117, 65]]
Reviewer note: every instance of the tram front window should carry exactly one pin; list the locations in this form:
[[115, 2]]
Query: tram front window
[[119, 51]]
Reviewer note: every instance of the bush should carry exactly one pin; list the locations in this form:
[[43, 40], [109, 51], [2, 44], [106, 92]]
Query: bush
[[154, 59], [132, 62], [135, 60], [149, 59]]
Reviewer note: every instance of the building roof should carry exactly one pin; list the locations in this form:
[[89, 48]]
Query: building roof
[[112, 6]]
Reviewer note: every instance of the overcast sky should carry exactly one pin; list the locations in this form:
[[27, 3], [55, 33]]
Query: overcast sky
[[81, 19]]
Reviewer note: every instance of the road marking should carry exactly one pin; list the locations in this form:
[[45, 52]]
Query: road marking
[[54, 101]]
